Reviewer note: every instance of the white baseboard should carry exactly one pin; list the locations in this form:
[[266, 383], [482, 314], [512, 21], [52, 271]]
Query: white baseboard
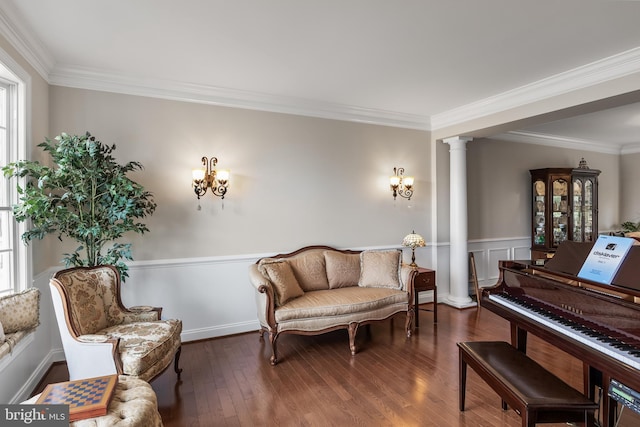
[[24, 392], [219, 331]]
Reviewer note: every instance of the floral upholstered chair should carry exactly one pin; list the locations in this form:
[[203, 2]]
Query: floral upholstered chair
[[102, 337]]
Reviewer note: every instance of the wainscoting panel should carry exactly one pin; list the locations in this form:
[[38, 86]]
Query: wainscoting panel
[[489, 252], [213, 297], [494, 257], [522, 252]]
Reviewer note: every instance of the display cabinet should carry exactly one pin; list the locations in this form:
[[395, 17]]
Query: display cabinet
[[565, 207]]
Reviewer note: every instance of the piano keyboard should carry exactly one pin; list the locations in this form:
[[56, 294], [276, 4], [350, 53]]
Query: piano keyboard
[[611, 346]]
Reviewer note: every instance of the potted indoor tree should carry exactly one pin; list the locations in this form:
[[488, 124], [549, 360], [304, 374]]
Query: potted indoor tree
[[86, 196]]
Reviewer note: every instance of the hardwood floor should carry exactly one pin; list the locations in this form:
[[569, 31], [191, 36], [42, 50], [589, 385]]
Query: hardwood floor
[[391, 381]]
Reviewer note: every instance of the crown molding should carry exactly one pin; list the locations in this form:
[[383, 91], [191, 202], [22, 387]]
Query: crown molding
[[84, 78], [630, 149], [559, 142], [17, 34], [606, 69]]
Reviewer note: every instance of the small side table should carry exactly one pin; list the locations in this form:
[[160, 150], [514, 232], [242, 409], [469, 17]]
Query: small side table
[[425, 280]]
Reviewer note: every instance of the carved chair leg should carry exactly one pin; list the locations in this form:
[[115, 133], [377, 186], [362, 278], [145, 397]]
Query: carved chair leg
[[176, 362], [353, 328], [409, 324], [261, 332], [273, 337]]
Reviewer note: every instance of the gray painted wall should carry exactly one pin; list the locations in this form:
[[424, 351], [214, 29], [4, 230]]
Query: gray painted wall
[[295, 180], [499, 185], [630, 187]]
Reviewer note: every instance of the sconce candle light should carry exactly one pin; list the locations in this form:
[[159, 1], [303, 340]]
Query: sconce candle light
[[401, 185], [209, 178]]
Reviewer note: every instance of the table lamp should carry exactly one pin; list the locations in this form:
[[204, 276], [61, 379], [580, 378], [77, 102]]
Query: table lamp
[[413, 241]]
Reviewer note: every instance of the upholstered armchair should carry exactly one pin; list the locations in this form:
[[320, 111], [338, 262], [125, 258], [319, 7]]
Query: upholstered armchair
[[101, 337]]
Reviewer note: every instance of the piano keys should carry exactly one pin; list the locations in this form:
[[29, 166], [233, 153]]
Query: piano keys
[[597, 323]]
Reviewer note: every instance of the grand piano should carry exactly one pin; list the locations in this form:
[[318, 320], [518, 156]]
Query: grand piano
[[596, 323]]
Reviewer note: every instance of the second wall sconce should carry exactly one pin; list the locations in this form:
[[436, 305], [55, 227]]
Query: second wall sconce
[[210, 178], [401, 185]]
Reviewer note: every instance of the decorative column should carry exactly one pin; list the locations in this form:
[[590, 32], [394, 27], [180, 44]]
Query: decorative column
[[459, 257]]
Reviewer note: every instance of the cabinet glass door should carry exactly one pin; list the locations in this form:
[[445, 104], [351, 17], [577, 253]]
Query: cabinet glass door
[[578, 210], [588, 210], [583, 209], [560, 211], [564, 207], [539, 191]]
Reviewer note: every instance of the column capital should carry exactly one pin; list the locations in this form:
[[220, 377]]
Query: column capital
[[457, 139]]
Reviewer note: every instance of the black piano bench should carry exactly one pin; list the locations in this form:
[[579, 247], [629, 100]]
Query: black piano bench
[[534, 393]]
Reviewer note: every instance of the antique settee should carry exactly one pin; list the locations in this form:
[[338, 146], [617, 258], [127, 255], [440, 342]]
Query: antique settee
[[318, 289]]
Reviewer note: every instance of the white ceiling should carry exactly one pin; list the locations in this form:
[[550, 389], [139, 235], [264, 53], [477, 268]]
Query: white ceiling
[[389, 61]]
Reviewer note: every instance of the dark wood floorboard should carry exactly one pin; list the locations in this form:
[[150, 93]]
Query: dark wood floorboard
[[392, 381]]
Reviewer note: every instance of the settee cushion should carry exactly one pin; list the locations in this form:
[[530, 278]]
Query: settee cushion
[[343, 270], [280, 273], [336, 302], [20, 311], [380, 269], [309, 268]]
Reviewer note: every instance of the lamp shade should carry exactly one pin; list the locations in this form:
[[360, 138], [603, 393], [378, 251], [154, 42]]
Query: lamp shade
[[413, 240], [198, 174], [223, 175]]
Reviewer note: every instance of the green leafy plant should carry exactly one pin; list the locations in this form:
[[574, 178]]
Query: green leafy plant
[[86, 197], [630, 226]]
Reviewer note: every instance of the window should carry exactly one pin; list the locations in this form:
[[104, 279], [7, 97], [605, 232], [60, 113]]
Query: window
[[13, 253], [6, 223]]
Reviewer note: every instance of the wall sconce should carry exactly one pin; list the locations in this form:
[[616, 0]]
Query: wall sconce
[[203, 179], [401, 185]]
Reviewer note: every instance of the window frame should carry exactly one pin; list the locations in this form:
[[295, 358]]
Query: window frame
[[18, 83]]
